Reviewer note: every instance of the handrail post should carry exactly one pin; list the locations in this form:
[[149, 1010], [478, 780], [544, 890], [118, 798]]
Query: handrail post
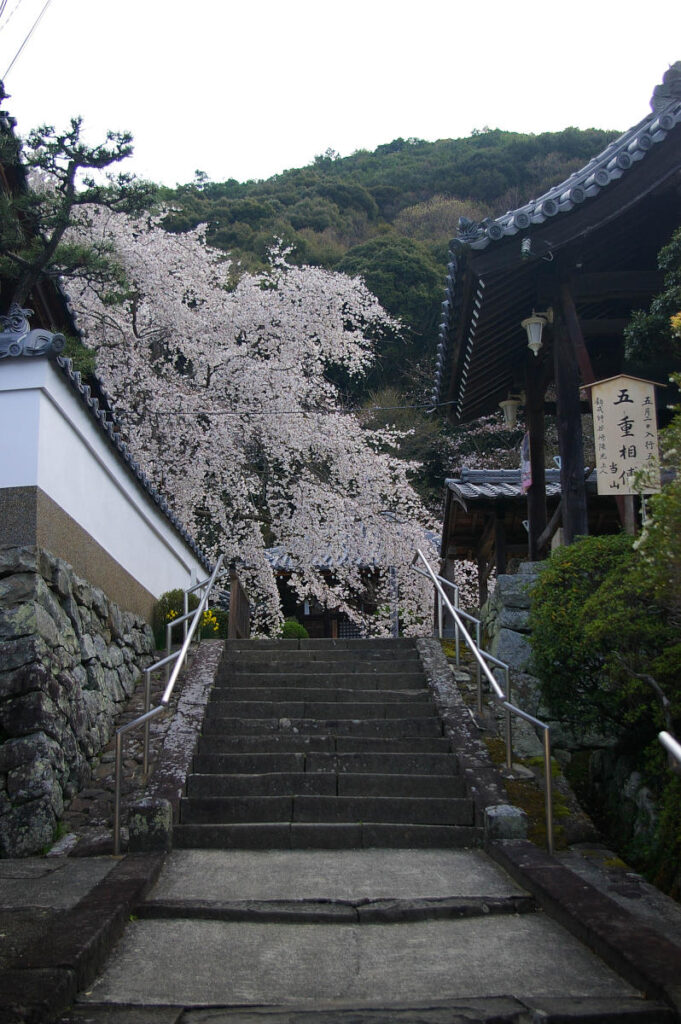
[[439, 615], [147, 702], [185, 612], [482, 658], [509, 724], [478, 668], [117, 795], [169, 646], [457, 638], [509, 740], [548, 786]]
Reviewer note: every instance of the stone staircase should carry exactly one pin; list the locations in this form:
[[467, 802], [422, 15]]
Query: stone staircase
[[326, 870], [324, 744]]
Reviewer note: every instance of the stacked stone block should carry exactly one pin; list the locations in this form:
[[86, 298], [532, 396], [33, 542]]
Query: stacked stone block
[[69, 660]]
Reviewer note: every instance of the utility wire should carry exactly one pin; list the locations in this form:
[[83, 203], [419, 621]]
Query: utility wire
[[428, 406], [3, 5], [27, 37]]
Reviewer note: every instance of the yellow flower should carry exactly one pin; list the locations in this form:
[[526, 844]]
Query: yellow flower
[[675, 323]]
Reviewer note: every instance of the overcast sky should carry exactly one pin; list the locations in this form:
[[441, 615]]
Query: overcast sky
[[247, 89]]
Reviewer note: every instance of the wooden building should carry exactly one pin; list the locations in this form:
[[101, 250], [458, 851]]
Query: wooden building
[[584, 256], [486, 518]]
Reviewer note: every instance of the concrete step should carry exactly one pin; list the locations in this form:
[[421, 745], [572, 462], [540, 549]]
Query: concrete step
[[381, 727], [454, 1010], [327, 809], [280, 783], [324, 835], [238, 936], [342, 678], [359, 646], [288, 657], [323, 694], [352, 763], [286, 742], [315, 709]]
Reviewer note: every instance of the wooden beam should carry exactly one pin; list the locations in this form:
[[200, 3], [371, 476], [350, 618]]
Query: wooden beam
[[575, 333], [617, 284], [603, 328], [534, 413], [569, 423], [500, 540], [487, 537], [544, 538], [482, 580]]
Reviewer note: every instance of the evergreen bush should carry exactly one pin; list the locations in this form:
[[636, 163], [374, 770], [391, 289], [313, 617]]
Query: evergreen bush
[[293, 630]]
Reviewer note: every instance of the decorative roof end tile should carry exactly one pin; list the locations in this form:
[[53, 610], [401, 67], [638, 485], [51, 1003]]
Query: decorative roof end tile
[[17, 338]]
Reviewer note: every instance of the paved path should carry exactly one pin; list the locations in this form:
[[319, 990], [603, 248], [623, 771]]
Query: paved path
[[236, 929]]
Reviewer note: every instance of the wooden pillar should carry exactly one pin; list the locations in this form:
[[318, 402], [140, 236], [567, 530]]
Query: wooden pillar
[[569, 422], [500, 539], [482, 579], [534, 412]]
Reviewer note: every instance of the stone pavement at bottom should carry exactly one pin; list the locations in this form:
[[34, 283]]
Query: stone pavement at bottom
[[352, 935]]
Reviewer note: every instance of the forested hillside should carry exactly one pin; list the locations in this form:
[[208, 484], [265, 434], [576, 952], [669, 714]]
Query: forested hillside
[[386, 215]]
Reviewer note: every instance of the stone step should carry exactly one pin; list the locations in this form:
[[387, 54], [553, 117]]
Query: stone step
[[358, 645], [283, 783], [325, 809], [323, 694], [325, 836], [288, 657], [315, 709], [314, 680], [342, 678], [358, 763], [380, 727], [477, 1010], [287, 743]]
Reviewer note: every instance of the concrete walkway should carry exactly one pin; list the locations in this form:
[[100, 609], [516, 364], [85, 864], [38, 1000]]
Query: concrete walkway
[[204, 938]]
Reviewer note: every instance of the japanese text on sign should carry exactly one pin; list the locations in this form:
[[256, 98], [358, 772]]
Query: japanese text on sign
[[625, 431]]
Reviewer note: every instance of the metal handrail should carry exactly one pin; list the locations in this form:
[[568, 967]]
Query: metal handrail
[[178, 657], [481, 658]]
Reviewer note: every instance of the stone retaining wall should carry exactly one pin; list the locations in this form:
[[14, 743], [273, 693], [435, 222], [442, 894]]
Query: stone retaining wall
[[69, 660], [611, 788]]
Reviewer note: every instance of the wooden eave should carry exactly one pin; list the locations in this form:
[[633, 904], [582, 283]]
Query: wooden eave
[[606, 248]]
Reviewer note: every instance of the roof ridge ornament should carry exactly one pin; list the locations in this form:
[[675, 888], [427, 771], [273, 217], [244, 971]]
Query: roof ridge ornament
[[468, 230], [670, 88], [17, 338]]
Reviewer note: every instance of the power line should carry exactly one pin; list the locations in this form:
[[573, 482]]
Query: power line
[[27, 37], [428, 406], [3, 5]]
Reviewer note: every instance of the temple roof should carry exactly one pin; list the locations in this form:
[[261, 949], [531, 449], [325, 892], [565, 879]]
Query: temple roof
[[594, 220]]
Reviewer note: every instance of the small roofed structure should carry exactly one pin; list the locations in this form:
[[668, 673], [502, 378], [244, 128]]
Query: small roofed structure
[[584, 256], [486, 519]]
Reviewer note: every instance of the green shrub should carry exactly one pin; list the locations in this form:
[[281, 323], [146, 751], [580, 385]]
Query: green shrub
[[293, 630], [569, 666], [168, 607]]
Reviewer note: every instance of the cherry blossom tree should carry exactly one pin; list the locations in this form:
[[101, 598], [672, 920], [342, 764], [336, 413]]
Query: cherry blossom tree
[[226, 401]]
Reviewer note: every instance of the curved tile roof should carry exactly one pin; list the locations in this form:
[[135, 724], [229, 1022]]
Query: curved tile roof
[[582, 186]]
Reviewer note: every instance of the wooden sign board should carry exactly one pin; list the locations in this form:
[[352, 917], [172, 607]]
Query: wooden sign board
[[625, 430]]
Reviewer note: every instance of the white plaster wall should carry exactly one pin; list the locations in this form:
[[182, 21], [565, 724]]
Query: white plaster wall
[[48, 439]]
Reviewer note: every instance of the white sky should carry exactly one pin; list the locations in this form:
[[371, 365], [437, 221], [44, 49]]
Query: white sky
[[247, 88]]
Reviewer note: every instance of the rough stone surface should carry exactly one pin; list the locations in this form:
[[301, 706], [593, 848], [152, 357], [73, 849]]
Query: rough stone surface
[[150, 825], [69, 659], [505, 822]]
